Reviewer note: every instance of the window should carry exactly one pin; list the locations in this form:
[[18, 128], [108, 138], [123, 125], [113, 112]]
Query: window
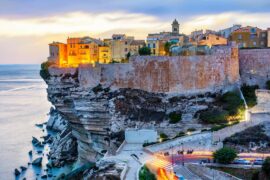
[[240, 36], [263, 35], [154, 45], [126, 43], [254, 43], [262, 43], [126, 49]]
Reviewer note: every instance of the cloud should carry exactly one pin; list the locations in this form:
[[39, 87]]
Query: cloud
[[25, 40], [224, 20], [76, 22], [116, 22]]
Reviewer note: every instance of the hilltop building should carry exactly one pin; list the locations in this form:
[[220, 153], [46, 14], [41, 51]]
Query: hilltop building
[[156, 41], [121, 45], [212, 40], [227, 32], [250, 37], [77, 51]]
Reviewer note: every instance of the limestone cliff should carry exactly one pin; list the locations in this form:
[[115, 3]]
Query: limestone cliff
[[98, 116]]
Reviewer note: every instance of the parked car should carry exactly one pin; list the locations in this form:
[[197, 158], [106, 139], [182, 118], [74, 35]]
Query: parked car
[[258, 161], [241, 161]]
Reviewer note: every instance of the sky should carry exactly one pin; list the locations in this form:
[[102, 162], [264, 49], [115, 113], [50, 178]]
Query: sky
[[28, 26]]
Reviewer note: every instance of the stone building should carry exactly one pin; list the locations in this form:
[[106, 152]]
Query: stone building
[[247, 37], [120, 46], [135, 46], [79, 51], [212, 40], [104, 53], [156, 41], [227, 32], [58, 53]]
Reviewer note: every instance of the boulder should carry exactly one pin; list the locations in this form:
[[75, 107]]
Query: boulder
[[17, 172], [30, 153], [23, 168], [43, 176], [37, 161]]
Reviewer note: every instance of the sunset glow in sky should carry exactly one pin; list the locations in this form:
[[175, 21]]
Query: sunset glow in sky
[[28, 26]]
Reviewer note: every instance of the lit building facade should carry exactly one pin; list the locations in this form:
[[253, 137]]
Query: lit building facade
[[77, 51], [104, 54], [120, 46], [157, 41], [212, 40], [58, 53]]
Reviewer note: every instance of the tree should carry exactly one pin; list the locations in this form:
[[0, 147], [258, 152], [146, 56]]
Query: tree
[[266, 166], [167, 47], [128, 55], [146, 174], [268, 84], [225, 155], [144, 51], [175, 117]]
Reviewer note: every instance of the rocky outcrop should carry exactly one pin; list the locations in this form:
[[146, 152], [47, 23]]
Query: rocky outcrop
[[109, 169], [56, 122], [63, 145], [98, 116]]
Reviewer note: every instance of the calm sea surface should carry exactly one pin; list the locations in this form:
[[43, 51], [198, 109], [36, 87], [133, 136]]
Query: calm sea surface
[[23, 103]]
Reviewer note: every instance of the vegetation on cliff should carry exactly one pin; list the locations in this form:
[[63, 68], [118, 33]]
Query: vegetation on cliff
[[249, 94], [175, 117], [44, 72], [230, 108], [225, 155]]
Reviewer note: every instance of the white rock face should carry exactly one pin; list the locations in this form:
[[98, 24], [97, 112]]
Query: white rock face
[[56, 122], [99, 115]]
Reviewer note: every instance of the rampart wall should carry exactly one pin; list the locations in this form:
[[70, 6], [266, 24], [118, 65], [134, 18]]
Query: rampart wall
[[168, 74], [254, 66]]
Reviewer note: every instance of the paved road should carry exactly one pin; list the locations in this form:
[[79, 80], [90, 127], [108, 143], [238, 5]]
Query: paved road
[[185, 172]]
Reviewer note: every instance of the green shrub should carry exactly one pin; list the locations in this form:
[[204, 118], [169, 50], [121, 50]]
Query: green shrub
[[145, 174], [149, 143], [218, 127], [175, 117], [225, 155], [266, 166], [180, 134], [214, 116], [44, 72], [232, 102], [144, 51], [268, 84], [191, 129], [235, 106], [163, 137], [249, 94], [97, 89]]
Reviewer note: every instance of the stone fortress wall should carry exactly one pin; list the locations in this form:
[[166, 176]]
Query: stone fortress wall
[[254, 66], [168, 74]]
